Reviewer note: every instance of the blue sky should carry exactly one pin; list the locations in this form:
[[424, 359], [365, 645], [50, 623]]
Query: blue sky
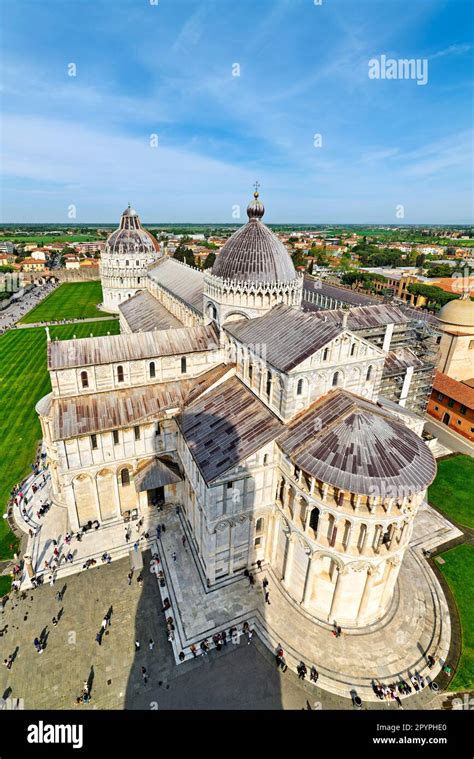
[[166, 69]]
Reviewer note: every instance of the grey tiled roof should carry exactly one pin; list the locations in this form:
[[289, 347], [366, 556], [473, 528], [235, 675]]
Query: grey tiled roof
[[399, 361], [254, 254], [365, 317], [351, 297], [225, 426], [107, 349], [156, 474], [352, 444], [285, 335], [182, 281], [143, 313]]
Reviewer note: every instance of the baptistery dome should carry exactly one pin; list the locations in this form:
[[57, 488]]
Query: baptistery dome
[[129, 251], [131, 237], [254, 253]]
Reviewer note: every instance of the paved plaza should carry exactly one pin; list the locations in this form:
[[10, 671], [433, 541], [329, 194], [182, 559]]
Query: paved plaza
[[238, 677]]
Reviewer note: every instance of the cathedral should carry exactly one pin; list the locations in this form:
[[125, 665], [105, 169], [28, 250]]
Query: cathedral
[[281, 430]]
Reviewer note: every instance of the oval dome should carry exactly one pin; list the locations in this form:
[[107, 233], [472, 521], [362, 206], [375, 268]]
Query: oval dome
[[253, 253], [131, 237], [459, 312]]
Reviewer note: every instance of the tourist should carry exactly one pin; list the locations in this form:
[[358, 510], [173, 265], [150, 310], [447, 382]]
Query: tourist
[[265, 583], [70, 557], [137, 645], [127, 536], [98, 637], [267, 597], [151, 644], [431, 662], [302, 670], [135, 547], [193, 650], [224, 637], [259, 565], [204, 647], [144, 675], [251, 579], [38, 646], [129, 577], [54, 621], [183, 541], [8, 662], [104, 623], [182, 656], [140, 578], [249, 637], [173, 555], [313, 675], [158, 532]]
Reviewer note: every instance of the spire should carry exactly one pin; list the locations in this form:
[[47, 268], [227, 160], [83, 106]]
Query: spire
[[255, 208]]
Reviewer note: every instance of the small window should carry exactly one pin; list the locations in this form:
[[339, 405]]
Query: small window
[[459, 421], [183, 365], [84, 379], [115, 436], [125, 477], [94, 442], [137, 263], [335, 379], [369, 373], [451, 403], [462, 409], [138, 280], [440, 396], [230, 485], [436, 408], [265, 460], [259, 525], [325, 354], [353, 347], [126, 263], [258, 541], [137, 433], [299, 387], [119, 373], [152, 370], [268, 387], [250, 372], [158, 429]]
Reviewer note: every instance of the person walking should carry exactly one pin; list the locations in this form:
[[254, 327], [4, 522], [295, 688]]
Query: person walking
[[173, 556], [259, 565], [158, 531], [267, 597], [54, 621], [183, 541], [38, 646], [193, 650], [151, 644], [251, 579], [249, 637], [137, 645], [301, 669], [144, 675], [98, 637], [104, 624], [129, 577], [204, 647], [313, 675], [265, 583], [182, 656]]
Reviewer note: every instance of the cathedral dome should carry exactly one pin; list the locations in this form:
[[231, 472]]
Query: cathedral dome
[[131, 237], [254, 253]]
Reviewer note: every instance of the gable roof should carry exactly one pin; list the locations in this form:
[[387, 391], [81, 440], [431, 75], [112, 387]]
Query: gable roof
[[144, 313], [107, 349], [288, 335], [180, 280], [359, 448], [458, 391], [225, 426]]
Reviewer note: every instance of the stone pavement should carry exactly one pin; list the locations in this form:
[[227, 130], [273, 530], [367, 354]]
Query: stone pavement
[[238, 677], [418, 623]]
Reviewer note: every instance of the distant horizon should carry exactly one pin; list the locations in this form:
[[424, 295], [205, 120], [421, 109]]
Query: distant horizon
[[115, 224]]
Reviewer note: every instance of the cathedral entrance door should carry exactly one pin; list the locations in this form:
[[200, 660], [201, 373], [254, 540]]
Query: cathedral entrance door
[[156, 496]]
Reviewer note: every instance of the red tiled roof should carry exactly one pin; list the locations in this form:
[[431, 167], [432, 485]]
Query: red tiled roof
[[458, 391]]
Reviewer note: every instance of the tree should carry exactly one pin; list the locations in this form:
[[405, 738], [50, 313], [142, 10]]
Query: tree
[[209, 260]]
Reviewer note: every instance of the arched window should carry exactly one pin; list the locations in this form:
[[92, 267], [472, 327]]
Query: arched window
[[84, 379], [268, 387], [259, 525], [353, 348], [183, 365], [299, 387], [325, 354], [250, 373], [125, 477], [369, 373], [335, 379], [126, 263], [265, 459], [119, 373], [152, 369], [137, 263]]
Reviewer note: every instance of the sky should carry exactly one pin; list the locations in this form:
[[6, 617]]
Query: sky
[[179, 106]]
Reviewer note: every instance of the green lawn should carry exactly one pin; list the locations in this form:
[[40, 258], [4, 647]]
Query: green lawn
[[75, 300], [23, 381], [5, 584], [452, 490], [45, 239], [459, 573]]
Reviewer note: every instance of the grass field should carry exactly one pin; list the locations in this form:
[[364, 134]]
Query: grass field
[[459, 573], [452, 490], [46, 239], [23, 381], [75, 300]]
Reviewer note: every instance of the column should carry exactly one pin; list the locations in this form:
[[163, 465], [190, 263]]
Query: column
[[364, 601], [276, 532], [389, 581], [336, 595], [308, 582], [269, 538], [288, 568]]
